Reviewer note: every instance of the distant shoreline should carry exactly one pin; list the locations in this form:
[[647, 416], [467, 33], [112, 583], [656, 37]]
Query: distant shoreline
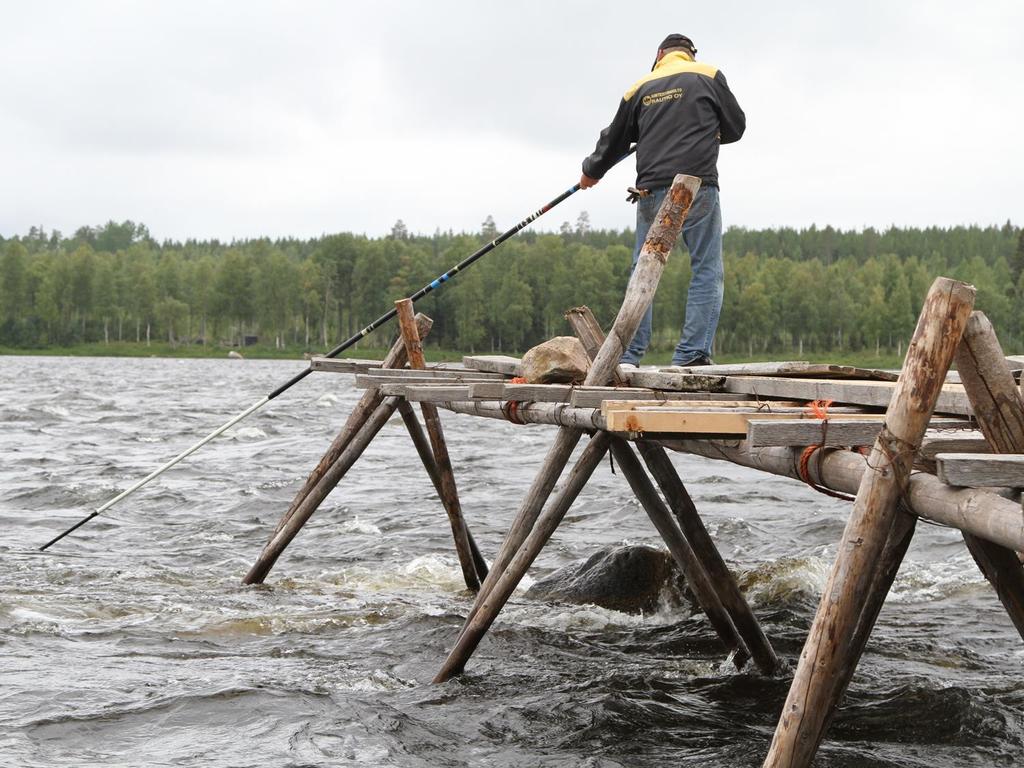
[[862, 358]]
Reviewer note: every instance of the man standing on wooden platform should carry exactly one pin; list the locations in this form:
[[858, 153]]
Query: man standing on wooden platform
[[677, 116]]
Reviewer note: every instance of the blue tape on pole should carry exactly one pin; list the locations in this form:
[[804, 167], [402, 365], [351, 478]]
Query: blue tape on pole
[[435, 284]]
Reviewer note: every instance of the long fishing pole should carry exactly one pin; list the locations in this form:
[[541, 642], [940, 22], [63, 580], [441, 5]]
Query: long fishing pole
[[428, 288]]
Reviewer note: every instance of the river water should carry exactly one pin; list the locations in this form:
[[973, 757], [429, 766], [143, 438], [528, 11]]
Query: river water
[[132, 643]]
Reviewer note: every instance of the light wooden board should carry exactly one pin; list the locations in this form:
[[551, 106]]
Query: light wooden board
[[981, 471], [504, 364], [952, 399], [797, 368], [761, 433], [750, 406], [679, 382], [709, 423]]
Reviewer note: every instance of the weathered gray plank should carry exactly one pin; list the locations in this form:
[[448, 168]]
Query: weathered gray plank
[[592, 397], [428, 393], [446, 374], [679, 382], [952, 398], [487, 390], [538, 393], [935, 443], [981, 471], [343, 365], [504, 364], [833, 433], [788, 368], [368, 380]]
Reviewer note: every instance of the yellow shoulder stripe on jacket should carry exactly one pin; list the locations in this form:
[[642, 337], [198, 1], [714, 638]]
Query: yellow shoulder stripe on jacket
[[674, 63]]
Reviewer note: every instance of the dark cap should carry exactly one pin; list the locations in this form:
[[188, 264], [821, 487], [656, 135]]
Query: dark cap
[[675, 41]]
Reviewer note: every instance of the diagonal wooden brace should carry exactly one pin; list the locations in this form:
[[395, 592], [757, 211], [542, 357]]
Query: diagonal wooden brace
[[448, 491], [364, 409], [643, 282]]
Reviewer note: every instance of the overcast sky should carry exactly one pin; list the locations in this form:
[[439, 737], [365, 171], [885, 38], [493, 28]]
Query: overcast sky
[[242, 119]]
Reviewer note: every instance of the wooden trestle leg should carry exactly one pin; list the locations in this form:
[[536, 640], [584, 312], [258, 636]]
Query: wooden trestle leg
[[697, 578], [321, 490], [447, 489], [505, 584], [639, 293], [422, 445], [830, 653], [708, 556], [367, 406], [999, 410], [712, 583]]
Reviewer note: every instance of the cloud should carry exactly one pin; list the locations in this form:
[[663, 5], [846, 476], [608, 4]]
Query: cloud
[[236, 119]]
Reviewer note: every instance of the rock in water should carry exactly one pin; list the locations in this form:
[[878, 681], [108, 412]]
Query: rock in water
[[631, 579], [561, 360]]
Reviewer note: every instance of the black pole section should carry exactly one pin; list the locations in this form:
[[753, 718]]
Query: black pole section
[[437, 283]]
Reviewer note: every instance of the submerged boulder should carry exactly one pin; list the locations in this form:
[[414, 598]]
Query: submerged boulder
[[631, 579], [561, 360]]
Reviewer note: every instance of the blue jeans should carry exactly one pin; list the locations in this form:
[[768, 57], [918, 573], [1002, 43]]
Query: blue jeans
[[702, 233]]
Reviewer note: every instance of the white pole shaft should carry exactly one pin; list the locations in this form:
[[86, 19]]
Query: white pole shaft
[[157, 472]]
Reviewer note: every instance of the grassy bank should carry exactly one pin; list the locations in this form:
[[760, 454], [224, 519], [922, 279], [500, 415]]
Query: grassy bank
[[863, 358]]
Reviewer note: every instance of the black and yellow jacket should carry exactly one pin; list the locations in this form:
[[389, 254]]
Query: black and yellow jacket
[[677, 115]]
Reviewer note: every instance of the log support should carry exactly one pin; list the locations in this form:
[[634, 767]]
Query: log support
[[526, 531], [364, 410], [445, 475], [999, 411], [854, 590], [713, 584]]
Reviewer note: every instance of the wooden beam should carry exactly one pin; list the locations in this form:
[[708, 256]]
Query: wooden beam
[[976, 511], [830, 651], [487, 390], [999, 409], [942, 442], [449, 491], [687, 538], [703, 546], [423, 448], [370, 381], [640, 290], [343, 365], [787, 369], [704, 587], [364, 410], [538, 393], [593, 397], [490, 603], [556, 414], [440, 375], [952, 398], [761, 432], [677, 382], [980, 471], [503, 364], [428, 393], [734, 422]]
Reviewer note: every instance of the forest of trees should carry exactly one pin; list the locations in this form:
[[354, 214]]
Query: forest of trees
[[787, 291]]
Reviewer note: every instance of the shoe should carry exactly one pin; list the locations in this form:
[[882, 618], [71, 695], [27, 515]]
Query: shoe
[[694, 360]]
